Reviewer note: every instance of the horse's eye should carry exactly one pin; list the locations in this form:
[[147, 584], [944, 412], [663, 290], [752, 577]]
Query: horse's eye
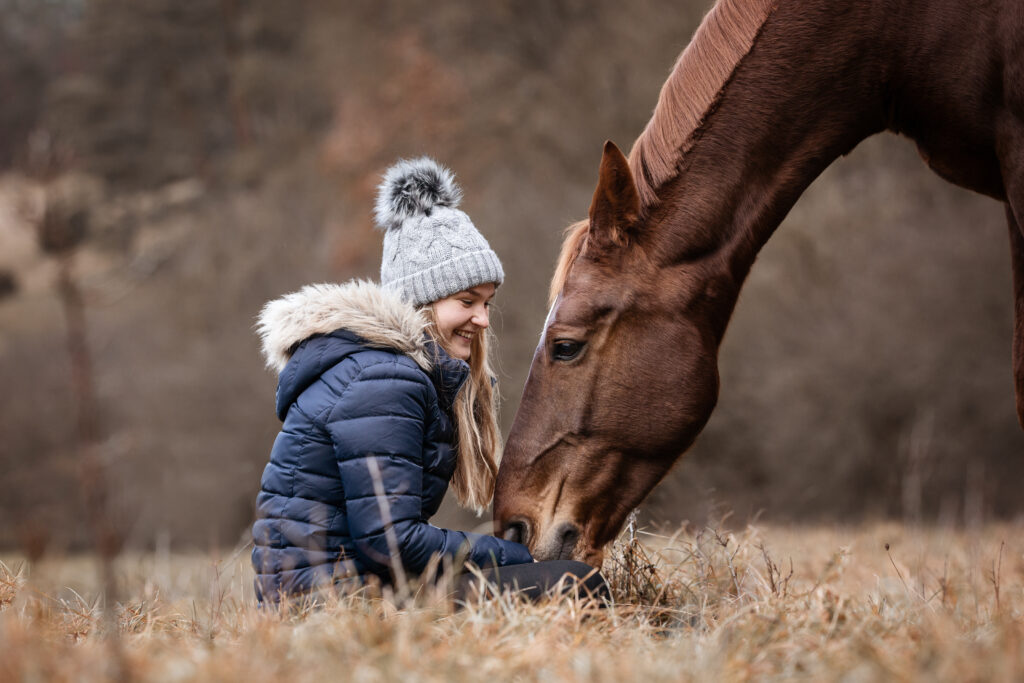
[[566, 349]]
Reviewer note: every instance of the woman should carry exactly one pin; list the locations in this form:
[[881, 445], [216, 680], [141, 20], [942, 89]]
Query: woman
[[387, 396]]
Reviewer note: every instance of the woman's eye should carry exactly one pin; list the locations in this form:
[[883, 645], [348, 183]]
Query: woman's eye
[[566, 349]]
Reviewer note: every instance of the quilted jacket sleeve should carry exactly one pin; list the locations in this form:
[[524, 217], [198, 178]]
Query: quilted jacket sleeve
[[377, 427]]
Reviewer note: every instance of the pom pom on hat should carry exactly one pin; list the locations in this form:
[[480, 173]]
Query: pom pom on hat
[[431, 248], [414, 188]]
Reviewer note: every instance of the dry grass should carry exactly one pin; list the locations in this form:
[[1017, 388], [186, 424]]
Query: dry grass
[[762, 603]]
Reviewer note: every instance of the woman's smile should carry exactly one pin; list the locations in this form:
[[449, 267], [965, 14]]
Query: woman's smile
[[462, 316]]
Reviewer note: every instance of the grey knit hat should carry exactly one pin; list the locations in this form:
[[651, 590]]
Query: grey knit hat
[[431, 249]]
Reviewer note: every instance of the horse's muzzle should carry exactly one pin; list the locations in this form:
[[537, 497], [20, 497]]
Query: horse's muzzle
[[560, 544]]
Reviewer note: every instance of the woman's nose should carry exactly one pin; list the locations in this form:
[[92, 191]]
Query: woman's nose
[[482, 317]]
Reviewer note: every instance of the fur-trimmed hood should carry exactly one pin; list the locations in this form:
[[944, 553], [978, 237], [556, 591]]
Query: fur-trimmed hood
[[380, 317]]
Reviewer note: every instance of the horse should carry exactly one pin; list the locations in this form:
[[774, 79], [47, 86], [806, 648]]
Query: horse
[[766, 95]]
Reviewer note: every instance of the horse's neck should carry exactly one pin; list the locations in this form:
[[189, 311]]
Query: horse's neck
[[818, 80], [793, 104]]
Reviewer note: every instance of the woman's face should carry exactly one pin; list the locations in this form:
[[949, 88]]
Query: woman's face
[[460, 317]]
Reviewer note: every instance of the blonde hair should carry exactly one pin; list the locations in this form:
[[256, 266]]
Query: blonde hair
[[478, 440]]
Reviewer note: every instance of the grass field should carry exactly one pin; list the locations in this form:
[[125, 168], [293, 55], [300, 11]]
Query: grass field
[[880, 602]]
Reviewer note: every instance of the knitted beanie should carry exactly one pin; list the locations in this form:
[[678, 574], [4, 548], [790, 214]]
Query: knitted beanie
[[431, 249]]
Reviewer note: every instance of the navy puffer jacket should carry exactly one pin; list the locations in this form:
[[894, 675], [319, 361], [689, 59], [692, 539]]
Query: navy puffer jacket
[[366, 401]]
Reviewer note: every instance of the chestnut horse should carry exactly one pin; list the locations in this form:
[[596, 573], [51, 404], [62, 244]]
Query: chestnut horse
[[765, 97]]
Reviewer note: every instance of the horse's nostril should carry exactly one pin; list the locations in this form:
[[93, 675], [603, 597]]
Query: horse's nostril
[[568, 536], [517, 531]]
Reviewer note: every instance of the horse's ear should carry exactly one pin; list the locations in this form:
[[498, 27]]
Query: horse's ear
[[615, 208]]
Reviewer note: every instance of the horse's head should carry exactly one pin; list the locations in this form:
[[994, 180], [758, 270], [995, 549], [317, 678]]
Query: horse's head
[[624, 378]]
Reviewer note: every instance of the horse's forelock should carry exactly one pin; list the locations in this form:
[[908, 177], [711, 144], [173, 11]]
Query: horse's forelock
[[572, 246]]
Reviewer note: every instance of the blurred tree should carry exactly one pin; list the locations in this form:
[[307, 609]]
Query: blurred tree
[[165, 90], [33, 37]]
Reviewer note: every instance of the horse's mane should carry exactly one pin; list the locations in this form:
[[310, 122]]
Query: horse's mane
[[697, 80]]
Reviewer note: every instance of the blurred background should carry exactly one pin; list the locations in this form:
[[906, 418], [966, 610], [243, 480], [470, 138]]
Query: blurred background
[[167, 167]]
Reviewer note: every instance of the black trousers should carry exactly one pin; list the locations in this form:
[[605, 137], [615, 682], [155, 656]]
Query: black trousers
[[533, 581], [537, 579]]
